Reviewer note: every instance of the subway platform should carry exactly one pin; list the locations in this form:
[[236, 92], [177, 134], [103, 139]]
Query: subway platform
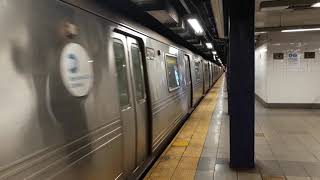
[[287, 144]]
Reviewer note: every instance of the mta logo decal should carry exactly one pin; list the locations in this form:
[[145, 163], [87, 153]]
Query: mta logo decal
[[73, 63]]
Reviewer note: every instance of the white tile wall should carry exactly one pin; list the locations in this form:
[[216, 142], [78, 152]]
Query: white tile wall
[[260, 71], [288, 81]]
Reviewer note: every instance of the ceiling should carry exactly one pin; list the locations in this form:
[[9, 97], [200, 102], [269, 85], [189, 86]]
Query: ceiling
[[169, 18], [270, 15], [173, 15], [275, 15]]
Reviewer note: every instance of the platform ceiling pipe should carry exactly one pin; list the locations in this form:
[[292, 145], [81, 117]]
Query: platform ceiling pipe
[[217, 10]]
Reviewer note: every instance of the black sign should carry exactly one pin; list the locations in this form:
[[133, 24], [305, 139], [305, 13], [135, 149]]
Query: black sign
[[309, 55], [277, 55]]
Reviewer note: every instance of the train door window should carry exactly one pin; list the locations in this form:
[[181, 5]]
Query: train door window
[[182, 69], [187, 70], [173, 74], [137, 71], [197, 71], [121, 67]]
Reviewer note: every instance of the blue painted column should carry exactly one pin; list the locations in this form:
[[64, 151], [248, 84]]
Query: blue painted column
[[241, 79]]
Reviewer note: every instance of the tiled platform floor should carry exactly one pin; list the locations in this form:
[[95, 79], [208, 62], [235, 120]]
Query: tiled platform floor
[[287, 144], [180, 159]]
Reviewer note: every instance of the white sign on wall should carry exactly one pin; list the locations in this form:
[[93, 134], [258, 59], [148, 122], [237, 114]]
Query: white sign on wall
[[293, 62], [76, 69], [293, 56]]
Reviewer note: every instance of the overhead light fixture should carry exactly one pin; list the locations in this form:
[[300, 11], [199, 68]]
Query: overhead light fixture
[[261, 32], [196, 26], [315, 5], [209, 45], [277, 8], [301, 30], [214, 52]]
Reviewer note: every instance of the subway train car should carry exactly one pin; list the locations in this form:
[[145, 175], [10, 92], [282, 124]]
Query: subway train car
[[87, 93]]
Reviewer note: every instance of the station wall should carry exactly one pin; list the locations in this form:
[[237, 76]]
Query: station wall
[[261, 72], [287, 68]]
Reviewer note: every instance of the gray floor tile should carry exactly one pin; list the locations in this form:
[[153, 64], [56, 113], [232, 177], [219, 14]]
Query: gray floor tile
[[293, 168], [204, 175], [268, 177], [211, 143], [211, 149], [222, 161], [297, 178], [270, 168], [313, 169], [248, 176], [206, 164], [223, 172], [208, 154]]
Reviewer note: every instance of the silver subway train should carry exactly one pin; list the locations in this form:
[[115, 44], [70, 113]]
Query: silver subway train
[[88, 94]]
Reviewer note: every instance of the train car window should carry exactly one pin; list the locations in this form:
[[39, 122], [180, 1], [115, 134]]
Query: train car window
[[173, 74], [197, 71], [121, 66], [137, 71]]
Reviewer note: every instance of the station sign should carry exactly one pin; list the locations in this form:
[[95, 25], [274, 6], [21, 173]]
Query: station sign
[[293, 56]]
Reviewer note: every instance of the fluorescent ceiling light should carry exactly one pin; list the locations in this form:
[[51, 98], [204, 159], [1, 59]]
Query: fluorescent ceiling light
[[209, 45], [214, 52], [261, 32], [277, 8], [264, 50], [316, 4], [301, 30], [195, 25]]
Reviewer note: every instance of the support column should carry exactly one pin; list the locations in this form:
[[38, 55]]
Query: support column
[[241, 67], [228, 78]]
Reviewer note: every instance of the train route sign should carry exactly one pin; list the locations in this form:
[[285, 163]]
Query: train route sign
[[76, 69]]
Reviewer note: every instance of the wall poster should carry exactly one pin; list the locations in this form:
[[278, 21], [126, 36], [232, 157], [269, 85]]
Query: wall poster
[[293, 63]]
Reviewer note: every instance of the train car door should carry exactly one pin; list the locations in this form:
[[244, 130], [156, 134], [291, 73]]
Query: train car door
[[188, 79], [133, 102], [140, 98]]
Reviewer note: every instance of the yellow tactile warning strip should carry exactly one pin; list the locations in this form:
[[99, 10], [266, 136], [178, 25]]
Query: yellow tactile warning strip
[[180, 159]]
